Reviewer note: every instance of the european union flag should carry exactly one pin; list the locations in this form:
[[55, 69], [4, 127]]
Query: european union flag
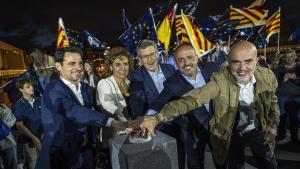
[[143, 29], [75, 38], [295, 34]]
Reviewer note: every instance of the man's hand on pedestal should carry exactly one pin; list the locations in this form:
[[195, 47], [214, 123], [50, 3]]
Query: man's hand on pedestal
[[121, 125], [145, 125]]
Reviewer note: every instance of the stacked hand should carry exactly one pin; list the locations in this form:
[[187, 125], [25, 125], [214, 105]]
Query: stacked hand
[[141, 127]]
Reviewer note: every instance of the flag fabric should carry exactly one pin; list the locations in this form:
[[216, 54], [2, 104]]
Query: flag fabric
[[143, 29], [295, 34], [224, 29], [159, 11], [75, 38], [125, 21], [191, 8], [272, 25], [254, 15], [93, 41], [164, 30], [197, 39], [182, 36], [62, 39], [257, 3]]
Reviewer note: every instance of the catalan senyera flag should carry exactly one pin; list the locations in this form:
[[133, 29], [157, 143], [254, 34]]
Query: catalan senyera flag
[[273, 24], [197, 39], [62, 39], [180, 30], [255, 15], [257, 3], [164, 30]]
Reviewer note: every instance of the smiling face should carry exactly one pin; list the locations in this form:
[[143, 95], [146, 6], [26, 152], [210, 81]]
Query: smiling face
[[148, 58], [186, 60], [242, 61], [71, 67], [120, 67]]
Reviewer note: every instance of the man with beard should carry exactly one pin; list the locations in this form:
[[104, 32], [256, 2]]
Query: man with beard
[[193, 126], [66, 113], [245, 106]]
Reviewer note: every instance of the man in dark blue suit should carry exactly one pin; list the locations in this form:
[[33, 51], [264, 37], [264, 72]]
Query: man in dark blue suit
[[147, 81], [194, 125], [66, 112]]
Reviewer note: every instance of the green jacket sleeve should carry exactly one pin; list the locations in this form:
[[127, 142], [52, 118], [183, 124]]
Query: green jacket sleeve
[[191, 100], [273, 114]]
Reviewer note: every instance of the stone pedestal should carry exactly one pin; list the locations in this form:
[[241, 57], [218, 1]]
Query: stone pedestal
[[159, 153]]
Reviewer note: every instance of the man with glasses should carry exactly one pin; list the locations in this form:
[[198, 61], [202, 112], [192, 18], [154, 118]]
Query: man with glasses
[[147, 81]]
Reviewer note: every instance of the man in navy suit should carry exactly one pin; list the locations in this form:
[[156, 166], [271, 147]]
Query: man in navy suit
[[193, 125], [146, 82], [66, 112]]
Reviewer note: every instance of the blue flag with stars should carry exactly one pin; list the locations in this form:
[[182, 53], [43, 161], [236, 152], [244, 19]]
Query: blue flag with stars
[[143, 29]]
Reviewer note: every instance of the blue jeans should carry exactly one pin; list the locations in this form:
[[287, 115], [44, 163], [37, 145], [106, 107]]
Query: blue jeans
[[9, 157]]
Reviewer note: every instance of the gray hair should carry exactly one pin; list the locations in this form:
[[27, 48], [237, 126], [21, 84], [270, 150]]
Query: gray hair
[[144, 44]]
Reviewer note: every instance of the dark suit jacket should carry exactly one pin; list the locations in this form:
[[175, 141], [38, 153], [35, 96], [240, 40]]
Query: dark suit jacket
[[64, 119], [176, 85], [143, 90]]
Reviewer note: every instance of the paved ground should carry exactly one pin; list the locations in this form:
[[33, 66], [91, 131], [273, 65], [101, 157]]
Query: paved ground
[[287, 154]]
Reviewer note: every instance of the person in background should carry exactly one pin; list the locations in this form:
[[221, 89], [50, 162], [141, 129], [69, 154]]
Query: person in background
[[28, 114], [288, 76], [8, 148], [90, 75]]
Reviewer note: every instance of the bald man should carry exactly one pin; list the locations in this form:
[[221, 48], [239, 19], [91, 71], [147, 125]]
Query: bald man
[[245, 110]]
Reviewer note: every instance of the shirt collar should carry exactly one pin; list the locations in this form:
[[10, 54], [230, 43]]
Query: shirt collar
[[155, 73], [250, 83], [198, 71], [68, 83]]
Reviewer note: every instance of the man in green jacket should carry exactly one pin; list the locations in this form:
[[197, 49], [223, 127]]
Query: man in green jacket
[[245, 110]]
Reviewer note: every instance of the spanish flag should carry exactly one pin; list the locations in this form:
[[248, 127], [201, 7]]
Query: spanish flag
[[62, 39], [164, 30]]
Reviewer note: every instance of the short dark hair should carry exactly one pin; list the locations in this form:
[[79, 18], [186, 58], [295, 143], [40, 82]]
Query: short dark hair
[[20, 83], [60, 53]]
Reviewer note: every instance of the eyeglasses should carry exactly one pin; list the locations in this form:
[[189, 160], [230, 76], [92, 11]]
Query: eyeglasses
[[148, 55]]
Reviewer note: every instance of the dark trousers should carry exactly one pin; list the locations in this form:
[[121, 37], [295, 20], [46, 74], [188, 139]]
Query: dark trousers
[[292, 108], [172, 129], [197, 137], [9, 158], [265, 158]]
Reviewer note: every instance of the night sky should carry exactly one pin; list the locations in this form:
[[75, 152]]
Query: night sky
[[33, 23]]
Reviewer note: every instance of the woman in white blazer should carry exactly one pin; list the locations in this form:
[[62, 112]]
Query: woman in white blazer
[[113, 91]]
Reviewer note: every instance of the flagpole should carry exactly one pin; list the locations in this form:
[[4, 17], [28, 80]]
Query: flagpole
[[155, 28], [265, 50], [278, 36]]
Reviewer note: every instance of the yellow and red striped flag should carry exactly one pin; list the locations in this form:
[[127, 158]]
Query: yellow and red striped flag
[[180, 30], [197, 39], [164, 30], [273, 24], [256, 15], [62, 39]]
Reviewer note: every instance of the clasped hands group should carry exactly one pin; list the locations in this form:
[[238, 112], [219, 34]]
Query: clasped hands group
[[141, 127]]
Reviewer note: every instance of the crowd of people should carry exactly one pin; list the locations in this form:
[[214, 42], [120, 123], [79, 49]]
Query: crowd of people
[[61, 119]]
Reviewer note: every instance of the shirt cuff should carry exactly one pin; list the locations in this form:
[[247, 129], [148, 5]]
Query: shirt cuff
[[109, 121], [151, 112]]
